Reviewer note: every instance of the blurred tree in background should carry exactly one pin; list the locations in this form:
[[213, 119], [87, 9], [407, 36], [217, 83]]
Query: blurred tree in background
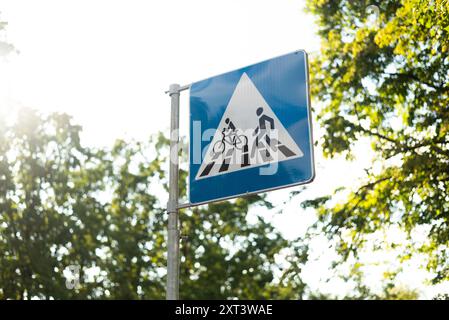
[[62, 205], [383, 74]]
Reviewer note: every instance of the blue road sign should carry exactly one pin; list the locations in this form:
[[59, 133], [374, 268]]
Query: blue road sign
[[250, 130]]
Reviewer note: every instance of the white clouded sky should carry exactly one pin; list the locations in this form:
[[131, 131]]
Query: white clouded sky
[[108, 63]]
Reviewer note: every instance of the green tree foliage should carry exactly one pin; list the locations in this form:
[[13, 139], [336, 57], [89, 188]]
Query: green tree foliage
[[63, 204], [385, 76]]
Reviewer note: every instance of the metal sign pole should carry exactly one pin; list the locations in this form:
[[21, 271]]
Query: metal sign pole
[[172, 206]]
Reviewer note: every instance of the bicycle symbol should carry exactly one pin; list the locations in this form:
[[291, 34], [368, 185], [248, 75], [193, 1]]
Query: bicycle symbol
[[230, 138]]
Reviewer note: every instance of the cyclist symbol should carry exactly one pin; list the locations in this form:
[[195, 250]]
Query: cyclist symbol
[[231, 137]]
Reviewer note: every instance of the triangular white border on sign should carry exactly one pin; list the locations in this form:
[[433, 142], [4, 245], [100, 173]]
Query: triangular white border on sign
[[227, 152]]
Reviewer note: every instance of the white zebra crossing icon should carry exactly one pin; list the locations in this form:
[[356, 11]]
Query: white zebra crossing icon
[[249, 135]]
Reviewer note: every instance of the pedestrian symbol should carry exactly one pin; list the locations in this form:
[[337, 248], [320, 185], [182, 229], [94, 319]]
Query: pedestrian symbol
[[249, 135]]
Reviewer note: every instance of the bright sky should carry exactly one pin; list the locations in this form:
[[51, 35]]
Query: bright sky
[[108, 62]]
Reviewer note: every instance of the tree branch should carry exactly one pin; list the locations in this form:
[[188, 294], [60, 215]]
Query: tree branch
[[413, 77], [377, 135]]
